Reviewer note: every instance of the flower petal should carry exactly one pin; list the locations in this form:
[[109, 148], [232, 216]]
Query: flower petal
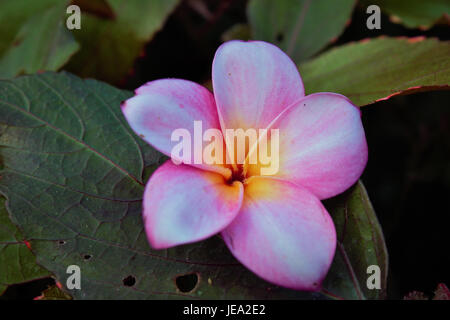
[[283, 234], [322, 145], [159, 107], [253, 82], [183, 204]]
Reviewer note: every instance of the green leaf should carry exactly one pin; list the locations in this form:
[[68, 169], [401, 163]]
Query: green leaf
[[17, 263], [372, 70], [13, 14], [36, 38], [111, 41], [300, 28], [360, 244], [73, 173], [414, 13], [239, 31], [53, 293]]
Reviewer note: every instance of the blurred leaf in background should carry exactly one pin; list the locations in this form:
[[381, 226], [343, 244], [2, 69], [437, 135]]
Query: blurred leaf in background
[[421, 14], [240, 31], [113, 34], [301, 28], [33, 36], [371, 70]]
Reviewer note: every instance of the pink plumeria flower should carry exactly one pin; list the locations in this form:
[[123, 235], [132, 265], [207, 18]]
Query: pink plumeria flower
[[274, 225]]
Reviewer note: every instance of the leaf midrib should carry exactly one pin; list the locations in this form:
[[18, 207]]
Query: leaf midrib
[[298, 27]]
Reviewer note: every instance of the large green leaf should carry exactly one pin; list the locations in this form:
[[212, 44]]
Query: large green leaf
[[33, 36], [300, 27], [74, 175], [414, 13], [17, 263], [374, 70], [113, 35]]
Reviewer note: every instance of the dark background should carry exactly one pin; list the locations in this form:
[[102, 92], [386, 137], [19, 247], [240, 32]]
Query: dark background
[[408, 173]]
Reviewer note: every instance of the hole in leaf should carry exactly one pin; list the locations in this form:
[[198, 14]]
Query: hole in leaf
[[280, 37], [129, 281], [61, 242], [87, 256], [187, 282]]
